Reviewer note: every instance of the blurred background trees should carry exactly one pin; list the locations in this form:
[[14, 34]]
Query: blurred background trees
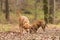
[[47, 10], [51, 10], [1, 3], [7, 10]]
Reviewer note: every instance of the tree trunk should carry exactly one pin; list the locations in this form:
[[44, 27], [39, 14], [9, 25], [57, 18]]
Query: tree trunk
[[1, 3], [36, 1], [7, 10], [35, 17], [45, 8], [51, 11]]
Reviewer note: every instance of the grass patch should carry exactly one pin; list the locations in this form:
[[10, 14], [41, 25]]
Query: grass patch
[[5, 27]]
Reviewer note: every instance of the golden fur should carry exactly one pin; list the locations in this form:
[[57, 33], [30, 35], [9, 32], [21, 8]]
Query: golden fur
[[23, 21], [37, 24]]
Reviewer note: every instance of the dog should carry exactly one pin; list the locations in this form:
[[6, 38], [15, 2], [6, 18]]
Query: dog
[[24, 22], [37, 24]]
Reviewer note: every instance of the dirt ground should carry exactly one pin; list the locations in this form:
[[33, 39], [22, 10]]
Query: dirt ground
[[52, 32]]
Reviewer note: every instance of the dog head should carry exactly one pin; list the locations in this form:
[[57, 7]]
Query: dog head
[[27, 26]]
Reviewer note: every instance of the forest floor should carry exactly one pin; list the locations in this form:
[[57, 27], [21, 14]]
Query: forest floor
[[52, 32]]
